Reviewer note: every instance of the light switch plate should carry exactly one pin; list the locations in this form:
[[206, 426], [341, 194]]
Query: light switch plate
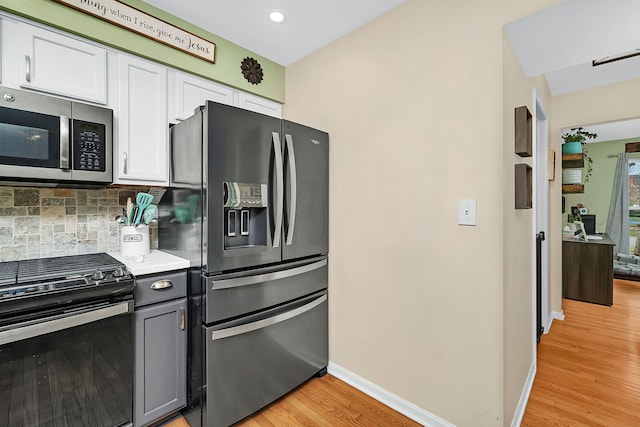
[[467, 212]]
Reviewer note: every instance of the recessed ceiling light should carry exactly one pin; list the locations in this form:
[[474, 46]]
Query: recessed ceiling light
[[277, 16]]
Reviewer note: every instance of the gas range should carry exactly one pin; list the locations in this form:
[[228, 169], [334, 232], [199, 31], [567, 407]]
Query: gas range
[[38, 283]]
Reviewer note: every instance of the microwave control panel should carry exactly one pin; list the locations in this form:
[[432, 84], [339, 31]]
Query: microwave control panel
[[89, 148]]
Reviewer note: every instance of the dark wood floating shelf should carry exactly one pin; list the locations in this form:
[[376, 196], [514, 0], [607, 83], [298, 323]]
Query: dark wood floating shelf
[[523, 186], [573, 161], [572, 188], [524, 132]]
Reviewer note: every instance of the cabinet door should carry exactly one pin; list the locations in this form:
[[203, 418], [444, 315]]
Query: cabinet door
[[143, 129], [190, 92], [63, 65], [160, 361], [259, 105]]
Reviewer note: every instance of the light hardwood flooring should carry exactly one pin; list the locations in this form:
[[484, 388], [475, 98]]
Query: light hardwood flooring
[[588, 375], [325, 401], [588, 371]]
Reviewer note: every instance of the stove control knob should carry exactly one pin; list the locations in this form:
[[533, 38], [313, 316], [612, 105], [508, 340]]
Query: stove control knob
[[118, 272], [97, 275]]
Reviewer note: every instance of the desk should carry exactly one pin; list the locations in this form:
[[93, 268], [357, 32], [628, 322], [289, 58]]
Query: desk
[[587, 270]]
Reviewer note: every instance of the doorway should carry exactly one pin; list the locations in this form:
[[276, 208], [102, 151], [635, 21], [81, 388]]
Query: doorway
[[541, 224]]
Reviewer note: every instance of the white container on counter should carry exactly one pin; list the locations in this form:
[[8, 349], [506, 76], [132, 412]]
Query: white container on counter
[[134, 241]]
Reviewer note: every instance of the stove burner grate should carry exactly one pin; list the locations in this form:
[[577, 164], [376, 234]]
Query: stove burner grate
[[8, 272]]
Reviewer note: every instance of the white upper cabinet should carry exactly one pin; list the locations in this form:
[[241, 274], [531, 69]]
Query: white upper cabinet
[[54, 63], [259, 105], [142, 124], [190, 92]]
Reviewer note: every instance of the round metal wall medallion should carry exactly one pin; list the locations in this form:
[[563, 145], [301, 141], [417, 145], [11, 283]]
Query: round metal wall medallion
[[251, 70]]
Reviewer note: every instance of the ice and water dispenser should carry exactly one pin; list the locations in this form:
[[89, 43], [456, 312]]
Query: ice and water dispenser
[[245, 215]]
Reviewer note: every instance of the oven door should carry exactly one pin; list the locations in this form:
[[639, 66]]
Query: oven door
[[73, 368]]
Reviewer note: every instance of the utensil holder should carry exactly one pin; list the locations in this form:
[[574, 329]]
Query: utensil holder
[[134, 241]]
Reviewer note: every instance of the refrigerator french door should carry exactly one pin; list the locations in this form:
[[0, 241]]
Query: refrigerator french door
[[306, 205], [267, 189]]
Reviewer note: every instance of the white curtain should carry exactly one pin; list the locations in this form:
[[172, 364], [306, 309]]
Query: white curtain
[[618, 219]]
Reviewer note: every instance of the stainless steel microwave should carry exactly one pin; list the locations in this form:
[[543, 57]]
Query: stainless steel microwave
[[53, 141]]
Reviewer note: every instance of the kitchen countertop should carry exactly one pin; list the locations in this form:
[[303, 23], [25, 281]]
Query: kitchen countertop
[[156, 262]]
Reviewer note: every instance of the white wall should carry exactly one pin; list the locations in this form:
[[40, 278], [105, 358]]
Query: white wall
[[413, 103], [519, 239]]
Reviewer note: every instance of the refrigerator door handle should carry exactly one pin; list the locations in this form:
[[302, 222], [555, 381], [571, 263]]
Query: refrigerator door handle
[[267, 277], [261, 324], [277, 149], [294, 189]]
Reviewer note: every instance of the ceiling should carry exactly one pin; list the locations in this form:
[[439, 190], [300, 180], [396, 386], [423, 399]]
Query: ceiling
[[310, 24], [562, 41], [613, 131], [559, 42]]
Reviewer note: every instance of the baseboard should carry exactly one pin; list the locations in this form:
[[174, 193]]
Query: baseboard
[[553, 315], [524, 397], [393, 401]]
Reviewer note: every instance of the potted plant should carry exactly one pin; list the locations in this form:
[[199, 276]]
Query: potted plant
[[574, 142]]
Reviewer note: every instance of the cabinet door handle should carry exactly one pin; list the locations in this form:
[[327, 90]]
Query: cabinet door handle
[[161, 284], [182, 318], [125, 167], [27, 65]]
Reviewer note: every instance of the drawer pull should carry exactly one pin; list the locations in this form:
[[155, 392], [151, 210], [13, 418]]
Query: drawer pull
[[182, 318], [162, 284]]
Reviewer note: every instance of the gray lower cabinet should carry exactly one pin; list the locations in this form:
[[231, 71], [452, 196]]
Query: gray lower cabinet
[[160, 355]]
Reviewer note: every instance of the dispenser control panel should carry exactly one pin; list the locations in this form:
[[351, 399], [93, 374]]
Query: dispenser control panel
[[239, 195]]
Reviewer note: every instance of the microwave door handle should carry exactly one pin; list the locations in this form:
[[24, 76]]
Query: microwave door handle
[[277, 148], [64, 142], [294, 189]]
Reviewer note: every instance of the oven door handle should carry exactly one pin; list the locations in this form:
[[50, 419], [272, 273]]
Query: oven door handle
[[56, 323]]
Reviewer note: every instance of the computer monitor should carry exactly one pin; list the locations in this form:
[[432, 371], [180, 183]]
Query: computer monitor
[[589, 221]]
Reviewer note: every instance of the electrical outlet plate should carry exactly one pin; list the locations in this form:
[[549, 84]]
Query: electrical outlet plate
[[467, 212]]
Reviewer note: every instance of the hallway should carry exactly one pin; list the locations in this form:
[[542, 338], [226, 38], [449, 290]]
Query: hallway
[[589, 365]]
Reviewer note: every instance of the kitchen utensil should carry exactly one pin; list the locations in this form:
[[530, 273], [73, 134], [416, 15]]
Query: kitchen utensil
[[149, 214], [129, 211], [134, 215], [157, 194], [142, 201], [194, 203]]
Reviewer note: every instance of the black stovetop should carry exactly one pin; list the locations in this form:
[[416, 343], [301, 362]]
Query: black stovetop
[[65, 266], [36, 287], [37, 277]]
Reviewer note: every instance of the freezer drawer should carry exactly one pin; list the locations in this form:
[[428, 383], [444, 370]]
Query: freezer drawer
[[239, 294], [250, 364]]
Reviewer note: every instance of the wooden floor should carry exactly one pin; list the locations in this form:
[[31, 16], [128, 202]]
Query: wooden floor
[[589, 365], [588, 375], [325, 401]]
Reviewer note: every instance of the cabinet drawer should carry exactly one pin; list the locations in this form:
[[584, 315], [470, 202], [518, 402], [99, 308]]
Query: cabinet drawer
[[253, 361], [160, 287]]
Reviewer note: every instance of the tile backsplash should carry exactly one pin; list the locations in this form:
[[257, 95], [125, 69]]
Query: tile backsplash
[[45, 222]]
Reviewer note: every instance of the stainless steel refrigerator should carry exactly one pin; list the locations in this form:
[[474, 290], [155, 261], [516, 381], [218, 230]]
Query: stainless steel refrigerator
[[256, 187]]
